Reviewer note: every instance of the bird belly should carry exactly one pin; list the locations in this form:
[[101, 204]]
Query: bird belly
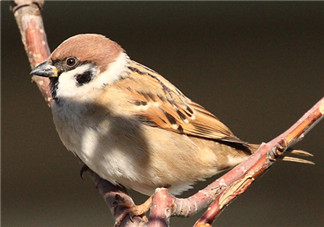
[[124, 151]]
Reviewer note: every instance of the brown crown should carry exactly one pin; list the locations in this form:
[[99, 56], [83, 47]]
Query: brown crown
[[89, 47]]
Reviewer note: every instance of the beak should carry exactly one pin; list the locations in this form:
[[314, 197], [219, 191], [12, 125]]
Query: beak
[[45, 69]]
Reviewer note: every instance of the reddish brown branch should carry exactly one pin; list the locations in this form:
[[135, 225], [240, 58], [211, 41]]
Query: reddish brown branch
[[259, 162], [221, 192], [30, 23], [161, 209]]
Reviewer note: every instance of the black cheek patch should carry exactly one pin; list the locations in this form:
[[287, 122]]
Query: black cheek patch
[[83, 78]]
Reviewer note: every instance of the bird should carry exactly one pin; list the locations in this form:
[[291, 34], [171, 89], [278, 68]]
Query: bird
[[129, 124]]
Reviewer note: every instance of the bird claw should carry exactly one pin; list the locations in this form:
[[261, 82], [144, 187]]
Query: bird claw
[[83, 169], [132, 214], [133, 211]]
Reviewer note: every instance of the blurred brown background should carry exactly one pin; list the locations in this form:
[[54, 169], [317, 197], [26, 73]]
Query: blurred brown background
[[257, 65]]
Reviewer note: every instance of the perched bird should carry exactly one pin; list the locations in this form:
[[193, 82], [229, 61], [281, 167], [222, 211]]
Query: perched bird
[[129, 124]]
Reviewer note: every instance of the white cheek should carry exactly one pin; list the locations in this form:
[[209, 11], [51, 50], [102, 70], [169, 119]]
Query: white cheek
[[114, 72], [67, 84]]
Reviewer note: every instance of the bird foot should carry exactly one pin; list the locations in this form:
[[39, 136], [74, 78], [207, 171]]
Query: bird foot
[[133, 210]]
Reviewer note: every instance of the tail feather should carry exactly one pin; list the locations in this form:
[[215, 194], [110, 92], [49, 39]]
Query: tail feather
[[301, 152], [298, 160], [285, 157], [288, 158]]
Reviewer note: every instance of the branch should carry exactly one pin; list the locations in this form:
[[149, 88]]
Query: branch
[[260, 162], [30, 24]]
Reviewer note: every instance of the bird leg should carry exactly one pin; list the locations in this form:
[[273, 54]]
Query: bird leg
[[133, 210]]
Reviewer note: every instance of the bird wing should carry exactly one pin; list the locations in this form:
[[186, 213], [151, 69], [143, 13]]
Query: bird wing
[[156, 102]]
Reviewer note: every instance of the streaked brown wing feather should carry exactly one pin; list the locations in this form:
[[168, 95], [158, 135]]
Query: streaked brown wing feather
[[168, 108]]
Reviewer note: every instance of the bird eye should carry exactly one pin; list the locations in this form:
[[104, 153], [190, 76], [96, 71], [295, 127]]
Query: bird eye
[[71, 61]]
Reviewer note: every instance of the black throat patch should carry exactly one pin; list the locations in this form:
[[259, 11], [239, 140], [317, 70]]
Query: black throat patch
[[53, 85]]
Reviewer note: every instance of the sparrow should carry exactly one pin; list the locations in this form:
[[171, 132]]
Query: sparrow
[[129, 124]]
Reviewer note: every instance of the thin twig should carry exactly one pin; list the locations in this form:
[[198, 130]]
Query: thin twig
[[260, 161], [30, 23]]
